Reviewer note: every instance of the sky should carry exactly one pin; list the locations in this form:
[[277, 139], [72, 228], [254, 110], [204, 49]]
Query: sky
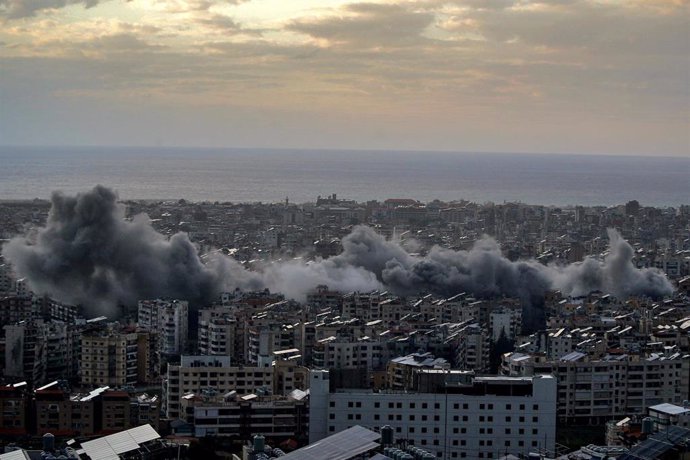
[[561, 76]]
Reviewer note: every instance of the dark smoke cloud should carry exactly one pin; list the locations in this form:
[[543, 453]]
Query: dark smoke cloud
[[89, 254]]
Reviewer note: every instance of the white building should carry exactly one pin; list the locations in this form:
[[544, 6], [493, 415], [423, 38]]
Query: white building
[[487, 418], [333, 352], [507, 321], [170, 319]]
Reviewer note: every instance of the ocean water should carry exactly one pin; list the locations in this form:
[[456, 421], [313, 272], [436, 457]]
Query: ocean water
[[248, 175]]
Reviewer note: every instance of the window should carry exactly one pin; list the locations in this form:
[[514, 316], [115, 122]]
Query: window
[[377, 405], [535, 407]]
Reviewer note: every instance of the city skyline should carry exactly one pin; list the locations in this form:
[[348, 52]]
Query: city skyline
[[564, 77]]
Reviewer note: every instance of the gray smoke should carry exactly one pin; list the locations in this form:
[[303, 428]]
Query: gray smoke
[[89, 254], [484, 271]]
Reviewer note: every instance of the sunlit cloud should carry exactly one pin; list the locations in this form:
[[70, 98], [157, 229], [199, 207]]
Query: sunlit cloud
[[438, 74]]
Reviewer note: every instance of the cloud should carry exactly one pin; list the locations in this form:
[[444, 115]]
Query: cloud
[[556, 76], [14, 9], [367, 25]]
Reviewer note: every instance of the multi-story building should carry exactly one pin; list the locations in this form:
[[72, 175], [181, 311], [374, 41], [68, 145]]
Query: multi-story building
[[401, 371], [169, 318], [108, 357], [214, 374], [148, 359], [332, 352], [592, 391], [485, 418], [14, 309], [100, 411], [62, 342], [217, 332], [25, 351], [506, 322], [14, 400], [197, 373], [278, 418], [471, 347]]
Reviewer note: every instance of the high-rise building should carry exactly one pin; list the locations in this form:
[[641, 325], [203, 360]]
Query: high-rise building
[[170, 319]]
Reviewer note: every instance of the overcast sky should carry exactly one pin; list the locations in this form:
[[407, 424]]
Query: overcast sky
[[580, 76]]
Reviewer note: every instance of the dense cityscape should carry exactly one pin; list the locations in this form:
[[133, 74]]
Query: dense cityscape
[[342, 329]]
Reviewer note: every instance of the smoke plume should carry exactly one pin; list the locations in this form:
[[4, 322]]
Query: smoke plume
[[89, 254]]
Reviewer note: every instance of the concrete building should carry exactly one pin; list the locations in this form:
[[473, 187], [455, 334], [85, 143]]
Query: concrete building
[[332, 352], [217, 332], [278, 418], [506, 321], [108, 357], [195, 374], [214, 375], [101, 411], [25, 351], [487, 418], [592, 391], [170, 319]]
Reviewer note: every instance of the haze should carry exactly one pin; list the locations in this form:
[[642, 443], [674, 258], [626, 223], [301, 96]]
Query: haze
[[571, 76]]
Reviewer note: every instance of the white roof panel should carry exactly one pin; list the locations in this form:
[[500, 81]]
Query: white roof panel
[[340, 446], [110, 447], [144, 433], [18, 454]]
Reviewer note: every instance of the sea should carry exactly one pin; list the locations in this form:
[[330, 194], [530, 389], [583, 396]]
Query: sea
[[272, 175]]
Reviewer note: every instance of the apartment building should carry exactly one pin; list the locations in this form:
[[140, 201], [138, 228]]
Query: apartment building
[[485, 418], [197, 373], [218, 332], [341, 353], [25, 351], [216, 375], [101, 411], [108, 357], [592, 391], [278, 418], [169, 318]]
